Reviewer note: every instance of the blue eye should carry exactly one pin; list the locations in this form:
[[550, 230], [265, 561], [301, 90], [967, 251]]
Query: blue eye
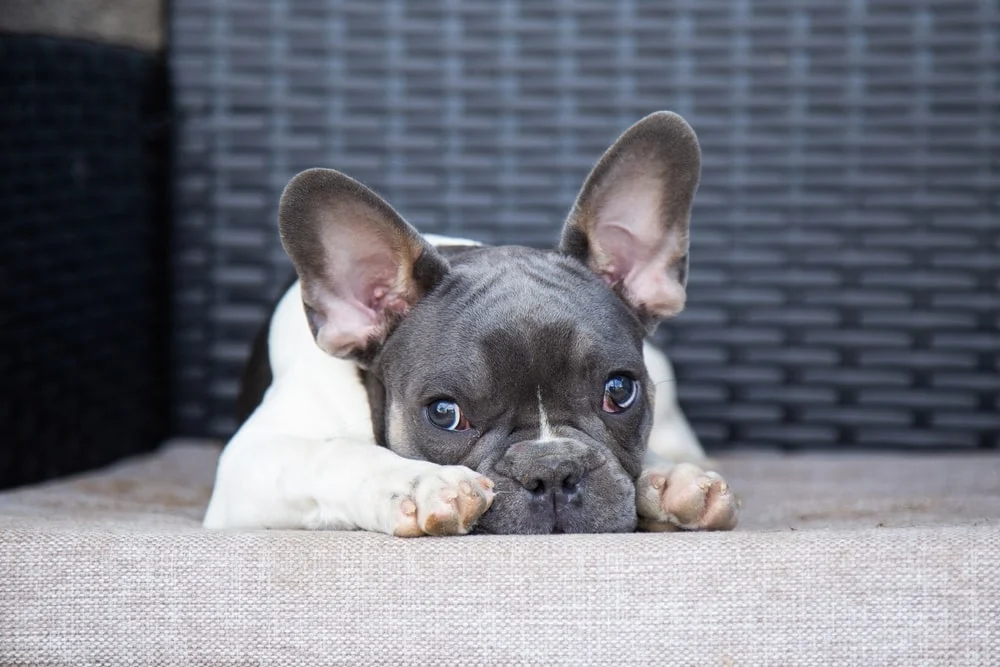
[[620, 392], [445, 414]]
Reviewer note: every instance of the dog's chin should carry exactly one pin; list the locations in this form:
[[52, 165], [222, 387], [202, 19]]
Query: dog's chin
[[607, 509]]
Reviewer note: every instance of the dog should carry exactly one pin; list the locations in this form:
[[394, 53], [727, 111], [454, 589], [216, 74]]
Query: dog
[[430, 386]]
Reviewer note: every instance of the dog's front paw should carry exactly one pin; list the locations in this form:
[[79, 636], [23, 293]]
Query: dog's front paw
[[684, 497], [447, 500]]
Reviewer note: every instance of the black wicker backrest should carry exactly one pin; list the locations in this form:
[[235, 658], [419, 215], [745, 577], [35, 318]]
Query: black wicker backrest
[[846, 240], [83, 260]]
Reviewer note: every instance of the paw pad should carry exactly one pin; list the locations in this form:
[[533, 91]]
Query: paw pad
[[447, 501], [685, 497]]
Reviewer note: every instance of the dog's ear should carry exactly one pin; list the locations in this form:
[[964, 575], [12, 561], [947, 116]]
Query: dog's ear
[[361, 265], [630, 221]]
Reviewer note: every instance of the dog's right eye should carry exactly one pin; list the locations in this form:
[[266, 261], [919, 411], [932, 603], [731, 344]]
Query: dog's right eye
[[620, 392], [445, 414]]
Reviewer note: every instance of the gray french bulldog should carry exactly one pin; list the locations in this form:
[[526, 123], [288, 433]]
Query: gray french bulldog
[[414, 385]]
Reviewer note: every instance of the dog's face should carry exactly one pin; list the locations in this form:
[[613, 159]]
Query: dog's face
[[523, 365], [519, 366]]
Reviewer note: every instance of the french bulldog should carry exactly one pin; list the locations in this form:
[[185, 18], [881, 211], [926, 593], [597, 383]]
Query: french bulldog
[[427, 386]]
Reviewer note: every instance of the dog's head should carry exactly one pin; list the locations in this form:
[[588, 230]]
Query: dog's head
[[523, 365]]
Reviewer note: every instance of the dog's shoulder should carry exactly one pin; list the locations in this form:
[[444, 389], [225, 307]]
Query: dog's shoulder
[[452, 248], [451, 243]]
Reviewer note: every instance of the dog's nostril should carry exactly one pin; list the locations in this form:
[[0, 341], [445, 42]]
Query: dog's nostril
[[535, 486], [569, 484]]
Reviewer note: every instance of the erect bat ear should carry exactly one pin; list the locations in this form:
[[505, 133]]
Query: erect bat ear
[[631, 220], [361, 265]]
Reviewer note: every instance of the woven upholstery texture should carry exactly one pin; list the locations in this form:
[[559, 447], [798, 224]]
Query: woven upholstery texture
[[841, 560], [846, 237]]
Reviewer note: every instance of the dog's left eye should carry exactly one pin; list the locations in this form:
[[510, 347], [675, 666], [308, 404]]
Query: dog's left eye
[[620, 392], [446, 415]]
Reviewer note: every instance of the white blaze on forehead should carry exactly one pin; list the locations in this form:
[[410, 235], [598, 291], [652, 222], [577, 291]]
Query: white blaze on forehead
[[545, 430]]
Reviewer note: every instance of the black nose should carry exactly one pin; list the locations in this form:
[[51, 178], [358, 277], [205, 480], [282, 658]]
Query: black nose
[[550, 477]]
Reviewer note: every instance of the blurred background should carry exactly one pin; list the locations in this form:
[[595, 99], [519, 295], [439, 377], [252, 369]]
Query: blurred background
[[845, 263]]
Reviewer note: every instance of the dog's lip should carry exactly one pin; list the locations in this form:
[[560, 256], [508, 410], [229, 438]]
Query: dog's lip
[[515, 489], [557, 529]]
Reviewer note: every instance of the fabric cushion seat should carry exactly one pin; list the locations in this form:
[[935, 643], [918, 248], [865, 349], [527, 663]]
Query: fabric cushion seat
[[839, 559]]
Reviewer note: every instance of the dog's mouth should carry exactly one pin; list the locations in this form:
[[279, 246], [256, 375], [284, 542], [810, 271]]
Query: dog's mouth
[[480, 530], [604, 504]]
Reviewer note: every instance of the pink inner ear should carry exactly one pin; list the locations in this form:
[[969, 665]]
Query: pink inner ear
[[633, 247], [347, 326], [651, 286], [365, 282]]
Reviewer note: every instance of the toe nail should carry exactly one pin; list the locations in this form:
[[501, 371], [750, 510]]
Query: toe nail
[[465, 488], [450, 495], [409, 507], [486, 482], [658, 482]]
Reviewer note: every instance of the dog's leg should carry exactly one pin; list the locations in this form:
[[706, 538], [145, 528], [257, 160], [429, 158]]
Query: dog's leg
[[673, 493], [682, 496], [671, 437], [274, 481]]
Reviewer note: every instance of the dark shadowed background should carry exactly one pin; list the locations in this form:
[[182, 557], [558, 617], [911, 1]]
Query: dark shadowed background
[[844, 270]]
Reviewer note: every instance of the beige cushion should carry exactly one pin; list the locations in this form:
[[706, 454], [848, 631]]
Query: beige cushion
[[850, 560]]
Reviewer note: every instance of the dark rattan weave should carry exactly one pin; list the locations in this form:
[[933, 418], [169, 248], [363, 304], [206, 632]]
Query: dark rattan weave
[[83, 374], [844, 284]]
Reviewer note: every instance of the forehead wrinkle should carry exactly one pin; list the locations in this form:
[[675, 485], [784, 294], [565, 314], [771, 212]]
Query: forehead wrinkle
[[536, 352], [453, 375]]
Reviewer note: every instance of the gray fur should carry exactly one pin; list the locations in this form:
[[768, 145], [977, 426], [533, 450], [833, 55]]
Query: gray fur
[[499, 329], [505, 325]]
